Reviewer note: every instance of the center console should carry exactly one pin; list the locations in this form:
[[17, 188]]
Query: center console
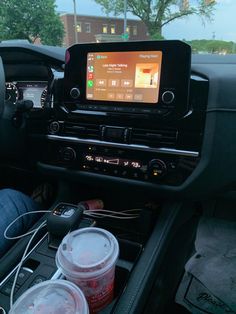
[[125, 110], [39, 264], [143, 244]]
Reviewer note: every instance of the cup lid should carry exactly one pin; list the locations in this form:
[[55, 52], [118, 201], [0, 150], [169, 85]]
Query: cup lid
[[87, 250], [51, 297]]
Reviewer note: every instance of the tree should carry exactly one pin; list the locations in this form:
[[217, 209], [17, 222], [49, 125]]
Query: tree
[[32, 20], [212, 46], [157, 13]]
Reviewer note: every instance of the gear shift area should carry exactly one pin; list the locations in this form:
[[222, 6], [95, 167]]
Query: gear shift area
[[63, 219]]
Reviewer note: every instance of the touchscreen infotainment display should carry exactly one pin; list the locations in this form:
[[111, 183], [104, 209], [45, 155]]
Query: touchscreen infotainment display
[[130, 76]]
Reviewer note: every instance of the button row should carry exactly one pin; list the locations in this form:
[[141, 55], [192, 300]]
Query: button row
[[160, 111], [22, 277], [117, 172]]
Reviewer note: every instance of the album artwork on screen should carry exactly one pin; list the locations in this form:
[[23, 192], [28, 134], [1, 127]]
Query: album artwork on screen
[[130, 76]]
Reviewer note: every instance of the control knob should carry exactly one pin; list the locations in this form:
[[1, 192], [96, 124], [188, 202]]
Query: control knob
[[75, 92], [168, 97], [157, 168], [68, 154], [54, 127]]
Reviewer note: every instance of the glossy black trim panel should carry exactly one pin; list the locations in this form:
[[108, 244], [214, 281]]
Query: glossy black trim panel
[[162, 150]]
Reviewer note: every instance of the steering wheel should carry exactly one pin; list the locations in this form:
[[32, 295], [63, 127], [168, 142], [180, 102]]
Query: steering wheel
[[2, 87]]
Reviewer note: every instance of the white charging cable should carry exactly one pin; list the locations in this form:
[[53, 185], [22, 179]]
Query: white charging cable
[[17, 218], [35, 231], [124, 214], [3, 311]]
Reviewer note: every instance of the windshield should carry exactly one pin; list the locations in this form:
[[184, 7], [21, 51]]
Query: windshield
[[204, 24]]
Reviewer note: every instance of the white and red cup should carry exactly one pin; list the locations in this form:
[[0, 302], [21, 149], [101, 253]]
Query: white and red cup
[[51, 296], [87, 257]]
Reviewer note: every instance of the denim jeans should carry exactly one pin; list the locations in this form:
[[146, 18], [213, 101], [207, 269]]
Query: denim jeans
[[13, 204]]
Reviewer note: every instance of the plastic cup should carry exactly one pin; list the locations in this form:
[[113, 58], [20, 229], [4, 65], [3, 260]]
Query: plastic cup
[[87, 257], [51, 297]]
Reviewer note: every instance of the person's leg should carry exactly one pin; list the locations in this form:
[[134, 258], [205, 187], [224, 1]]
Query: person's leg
[[13, 204]]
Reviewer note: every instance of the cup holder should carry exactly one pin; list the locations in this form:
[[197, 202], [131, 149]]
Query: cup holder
[[129, 250], [121, 279]]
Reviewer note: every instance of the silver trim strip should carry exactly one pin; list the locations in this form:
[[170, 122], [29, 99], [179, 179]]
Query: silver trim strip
[[161, 150], [28, 269]]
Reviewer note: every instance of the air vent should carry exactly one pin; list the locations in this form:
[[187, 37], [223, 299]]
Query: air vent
[[82, 130], [154, 138]]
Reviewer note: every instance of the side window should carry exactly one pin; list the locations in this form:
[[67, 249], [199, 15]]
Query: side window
[[104, 29], [113, 29], [87, 27], [135, 30], [79, 27]]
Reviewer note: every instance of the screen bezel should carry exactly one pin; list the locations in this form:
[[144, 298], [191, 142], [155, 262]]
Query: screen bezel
[[175, 73]]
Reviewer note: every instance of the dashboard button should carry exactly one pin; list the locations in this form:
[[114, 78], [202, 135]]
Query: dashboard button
[[172, 165], [146, 110], [37, 280], [6, 289], [75, 92], [68, 154], [86, 167], [157, 168], [160, 111], [168, 97], [115, 172], [54, 127], [23, 275]]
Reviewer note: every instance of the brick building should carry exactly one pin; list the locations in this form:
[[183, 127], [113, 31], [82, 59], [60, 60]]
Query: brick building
[[100, 29]]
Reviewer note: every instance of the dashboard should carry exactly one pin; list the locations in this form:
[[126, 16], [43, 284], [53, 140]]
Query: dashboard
[[161, 123]]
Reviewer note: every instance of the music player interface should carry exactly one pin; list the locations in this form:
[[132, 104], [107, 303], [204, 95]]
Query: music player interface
[[131, 76]]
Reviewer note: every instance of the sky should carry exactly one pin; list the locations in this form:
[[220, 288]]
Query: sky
[[223, 26]]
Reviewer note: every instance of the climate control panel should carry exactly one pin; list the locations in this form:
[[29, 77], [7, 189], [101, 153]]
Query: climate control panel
[[162, 168], [133, 168]]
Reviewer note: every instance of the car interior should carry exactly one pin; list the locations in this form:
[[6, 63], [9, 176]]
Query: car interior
[[144, 128]]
